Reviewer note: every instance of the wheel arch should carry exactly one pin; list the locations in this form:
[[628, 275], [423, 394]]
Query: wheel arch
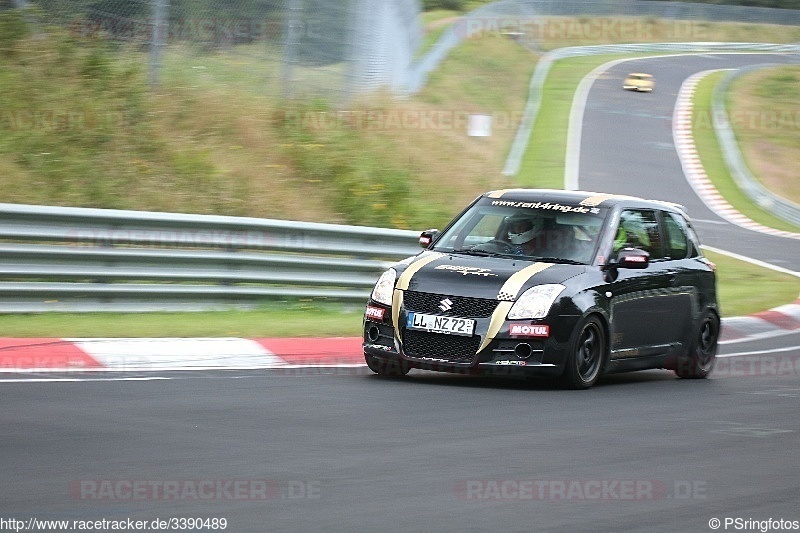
[[602, 316]]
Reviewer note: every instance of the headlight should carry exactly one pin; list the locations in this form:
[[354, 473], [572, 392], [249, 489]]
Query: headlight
[[384, 288], [535, 302]]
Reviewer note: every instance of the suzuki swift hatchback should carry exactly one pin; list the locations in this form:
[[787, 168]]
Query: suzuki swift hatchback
[[549, 282]]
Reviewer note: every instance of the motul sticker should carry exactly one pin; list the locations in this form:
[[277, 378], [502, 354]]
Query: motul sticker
[[376, 313], [522, 330]]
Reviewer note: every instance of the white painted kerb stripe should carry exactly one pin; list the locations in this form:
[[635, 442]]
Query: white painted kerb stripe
[[178, 354]]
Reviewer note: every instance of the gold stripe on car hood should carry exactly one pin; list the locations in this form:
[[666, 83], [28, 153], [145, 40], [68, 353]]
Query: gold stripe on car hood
[[508, 293], [413, 268], [402, 285], [512, 286]]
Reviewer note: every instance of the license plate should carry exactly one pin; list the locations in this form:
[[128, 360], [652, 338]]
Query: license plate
[[440, 324]]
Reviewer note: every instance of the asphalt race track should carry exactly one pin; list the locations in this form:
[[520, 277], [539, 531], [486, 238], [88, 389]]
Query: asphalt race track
[[348, 451], [343, 450], [627, 147]]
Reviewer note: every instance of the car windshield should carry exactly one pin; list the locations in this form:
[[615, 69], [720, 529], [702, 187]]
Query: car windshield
[[543, 231]]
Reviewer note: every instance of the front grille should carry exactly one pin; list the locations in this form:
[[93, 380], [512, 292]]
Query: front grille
[[450, 348], [423, 302]]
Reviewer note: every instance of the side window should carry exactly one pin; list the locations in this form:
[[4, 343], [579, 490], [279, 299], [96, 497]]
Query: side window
[[677, 241], [639, 229], [693, 242]]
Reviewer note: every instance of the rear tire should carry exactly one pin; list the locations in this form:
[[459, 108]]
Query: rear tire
[[383, 367], [699, 360], [587, 355]]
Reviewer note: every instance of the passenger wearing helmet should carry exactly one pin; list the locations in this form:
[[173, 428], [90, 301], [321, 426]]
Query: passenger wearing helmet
[[522, 230]]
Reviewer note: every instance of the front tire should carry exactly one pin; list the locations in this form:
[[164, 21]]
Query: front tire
[[383, 367], [587, 355], [702, 354]]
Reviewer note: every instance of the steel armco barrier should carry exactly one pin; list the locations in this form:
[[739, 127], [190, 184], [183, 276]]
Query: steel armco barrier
[[78, 259], [742, 175]]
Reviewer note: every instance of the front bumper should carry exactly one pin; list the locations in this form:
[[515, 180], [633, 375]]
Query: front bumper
[[504, 354]]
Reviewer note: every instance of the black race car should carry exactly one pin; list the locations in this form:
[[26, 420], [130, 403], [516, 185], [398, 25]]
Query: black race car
[[549, 282]]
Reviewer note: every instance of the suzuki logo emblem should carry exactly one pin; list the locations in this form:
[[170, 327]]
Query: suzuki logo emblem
[[446, 304]]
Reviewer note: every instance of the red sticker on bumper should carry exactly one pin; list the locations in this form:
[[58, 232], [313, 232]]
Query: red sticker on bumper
[[375, 313], [523, 330]]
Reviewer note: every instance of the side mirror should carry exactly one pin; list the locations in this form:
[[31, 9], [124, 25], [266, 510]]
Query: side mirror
[[632, 258], [427, 237]]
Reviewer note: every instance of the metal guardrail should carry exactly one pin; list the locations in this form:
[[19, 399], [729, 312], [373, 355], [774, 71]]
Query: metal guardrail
[[78, 259], [744, 178]]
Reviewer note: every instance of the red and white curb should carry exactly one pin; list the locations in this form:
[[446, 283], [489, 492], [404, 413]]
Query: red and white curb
[[693, 168], [168, 354], [32, 355], [778, 321]]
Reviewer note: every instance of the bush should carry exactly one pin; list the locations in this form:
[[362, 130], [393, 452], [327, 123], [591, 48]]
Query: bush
[[12, 30], [364, 187]]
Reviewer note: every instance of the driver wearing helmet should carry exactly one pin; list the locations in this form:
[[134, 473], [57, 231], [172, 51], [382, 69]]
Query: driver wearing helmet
[[522, 230]]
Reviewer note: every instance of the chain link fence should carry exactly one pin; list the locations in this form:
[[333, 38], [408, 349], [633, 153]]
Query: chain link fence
[[331, 48]]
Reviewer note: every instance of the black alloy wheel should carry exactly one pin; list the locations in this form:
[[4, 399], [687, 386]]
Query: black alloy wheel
[[700, 359], [587, 355]]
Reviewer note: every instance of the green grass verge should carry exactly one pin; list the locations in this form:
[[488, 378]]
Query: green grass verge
[[273, 320], [745, 288], [543, 162], [713, 161]]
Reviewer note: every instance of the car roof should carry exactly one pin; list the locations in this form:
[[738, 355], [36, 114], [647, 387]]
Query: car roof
[[582, 198], [641, 74]]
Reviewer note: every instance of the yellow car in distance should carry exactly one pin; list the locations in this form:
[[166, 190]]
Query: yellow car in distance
[[638, 81]]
